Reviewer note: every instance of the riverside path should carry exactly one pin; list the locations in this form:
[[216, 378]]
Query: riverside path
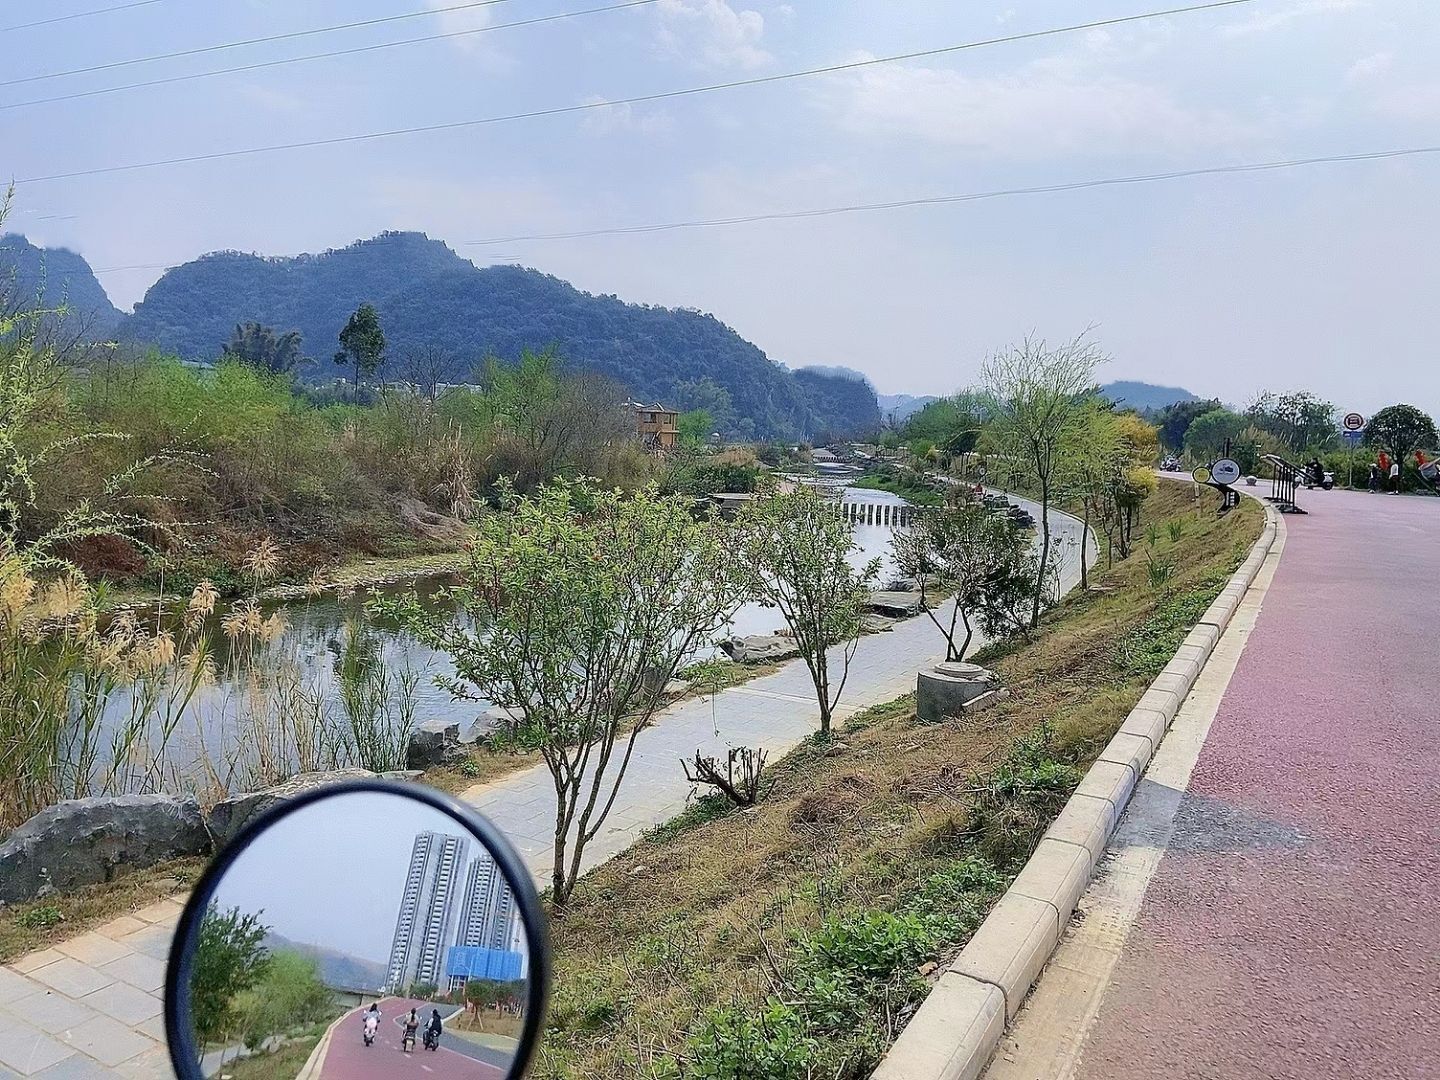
[[1290, 930]]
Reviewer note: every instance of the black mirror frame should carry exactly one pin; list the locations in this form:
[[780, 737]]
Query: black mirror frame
[[184, 1055]]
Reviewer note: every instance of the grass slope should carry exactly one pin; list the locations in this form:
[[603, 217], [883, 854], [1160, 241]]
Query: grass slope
[[793, 939]]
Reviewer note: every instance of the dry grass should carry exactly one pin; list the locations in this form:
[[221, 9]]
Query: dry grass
[[694, 916], [27, 927]]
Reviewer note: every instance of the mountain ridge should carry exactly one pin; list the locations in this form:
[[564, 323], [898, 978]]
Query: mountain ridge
[[430, 297]]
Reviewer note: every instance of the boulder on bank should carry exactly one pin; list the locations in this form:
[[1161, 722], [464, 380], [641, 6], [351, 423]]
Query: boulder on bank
[[895, 605], [85, 841], [759, 648], [952, 688], [435, 742], [230, 815]]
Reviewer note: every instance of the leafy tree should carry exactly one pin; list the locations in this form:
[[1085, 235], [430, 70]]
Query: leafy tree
[[696, 427], [1400, 430], [260, 347], [796, 549], [1035, 394], [1300, 420], [288, 994], [1174, 420], [984, 557], [362, 343], [952, 424], [230, 959], [581, 603], [1205, 438]]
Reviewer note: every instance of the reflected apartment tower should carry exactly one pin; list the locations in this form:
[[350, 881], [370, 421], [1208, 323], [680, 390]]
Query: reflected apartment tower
[[427, 911], [490, 940]]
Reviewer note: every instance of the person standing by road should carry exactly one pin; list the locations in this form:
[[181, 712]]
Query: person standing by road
[[1374, 481], [1395, 478]]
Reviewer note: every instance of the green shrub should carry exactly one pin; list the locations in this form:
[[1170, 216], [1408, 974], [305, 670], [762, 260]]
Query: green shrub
[[40, 917], [1015, 803], [1145, 650], [737, 1043]]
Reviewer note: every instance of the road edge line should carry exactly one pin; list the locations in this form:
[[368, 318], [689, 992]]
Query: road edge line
[[954, 1034]]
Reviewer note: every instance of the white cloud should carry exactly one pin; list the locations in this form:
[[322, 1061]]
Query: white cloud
[[1276, 18], [1044, 108], [711, 33], [623, 119], [1370, 67], [468, 24]]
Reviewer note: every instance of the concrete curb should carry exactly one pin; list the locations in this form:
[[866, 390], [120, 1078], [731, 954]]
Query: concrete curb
[[957, 1028]]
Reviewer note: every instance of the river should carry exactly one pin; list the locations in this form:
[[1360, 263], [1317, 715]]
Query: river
[[244, 728]]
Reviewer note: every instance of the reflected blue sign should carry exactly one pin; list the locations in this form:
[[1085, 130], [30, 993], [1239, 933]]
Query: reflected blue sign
[[474, 962]]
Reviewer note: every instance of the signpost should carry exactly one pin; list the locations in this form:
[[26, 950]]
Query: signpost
[[1352, 425]]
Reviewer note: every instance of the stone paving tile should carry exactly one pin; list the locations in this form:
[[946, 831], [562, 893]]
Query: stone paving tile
[[154, 1027], [37, 959], [52, 1013], [13, 986], [107, 1041], [137, 969], [151, 1065], [93, 949], [117, 928], [71, 977], [27, 1050], [153, 941], [162, 911], [124, 1002], [76, 1067]]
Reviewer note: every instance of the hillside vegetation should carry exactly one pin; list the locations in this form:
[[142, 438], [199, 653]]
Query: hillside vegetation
[[443, 316]]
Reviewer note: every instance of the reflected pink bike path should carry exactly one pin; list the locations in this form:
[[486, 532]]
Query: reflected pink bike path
[[348, 1058], [1292, 929]]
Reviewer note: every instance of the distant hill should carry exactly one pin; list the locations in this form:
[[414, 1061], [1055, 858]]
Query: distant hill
[[429, 296], [50, 277], [844, 396], [898, 407], [1143, 396], [338, 970]]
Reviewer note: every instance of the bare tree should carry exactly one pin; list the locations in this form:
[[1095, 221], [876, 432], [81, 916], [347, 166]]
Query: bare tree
[[1035, 394]]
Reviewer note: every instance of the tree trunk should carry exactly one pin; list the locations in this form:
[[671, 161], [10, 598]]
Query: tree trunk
[[1084, 543], [559, 889], [1044, 552]]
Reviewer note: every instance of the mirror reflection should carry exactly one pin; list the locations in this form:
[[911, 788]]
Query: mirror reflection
[[365, 935]]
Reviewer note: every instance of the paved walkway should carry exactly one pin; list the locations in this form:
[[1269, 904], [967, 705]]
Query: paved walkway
[[90, 1008], [776, 712], [1289, 930]]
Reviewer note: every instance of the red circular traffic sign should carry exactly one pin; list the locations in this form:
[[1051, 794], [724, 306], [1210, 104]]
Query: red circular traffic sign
[[1353, 421]]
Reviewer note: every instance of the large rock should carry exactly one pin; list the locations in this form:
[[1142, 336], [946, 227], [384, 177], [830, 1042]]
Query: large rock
[[435, 742], [759, 648], [949, 689], [85, 841], [897, 605], [230, 815]]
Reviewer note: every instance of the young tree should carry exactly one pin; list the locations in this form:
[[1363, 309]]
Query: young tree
[[288, 994], [1093, 453], [260, 347], [230, 959], [1400, 430], [362, 344], [582, 605], [796, 548], [1035, 393], [696, 427], [983, 556]]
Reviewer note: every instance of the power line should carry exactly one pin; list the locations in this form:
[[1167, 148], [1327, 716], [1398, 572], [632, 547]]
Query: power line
[[976, 196], [79, 15], [666, 95], [288, 36], [898, 204], [327, 55]]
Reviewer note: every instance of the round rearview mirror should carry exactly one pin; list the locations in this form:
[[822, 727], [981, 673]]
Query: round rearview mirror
[[366, 929]]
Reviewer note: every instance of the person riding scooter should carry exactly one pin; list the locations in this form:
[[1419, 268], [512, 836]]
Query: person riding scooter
[[372, 1024], [432, 1031], [412, 1024]]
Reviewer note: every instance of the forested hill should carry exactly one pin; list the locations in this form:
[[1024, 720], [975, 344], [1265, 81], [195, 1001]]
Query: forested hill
[[430, 300], [51, 277]]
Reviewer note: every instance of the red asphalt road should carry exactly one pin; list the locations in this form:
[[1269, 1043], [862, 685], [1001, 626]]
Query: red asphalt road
[[1292, 929], [348, 1058]]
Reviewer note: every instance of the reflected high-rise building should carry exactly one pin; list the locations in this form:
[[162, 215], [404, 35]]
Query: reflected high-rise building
[[487, 918], [428, 906]]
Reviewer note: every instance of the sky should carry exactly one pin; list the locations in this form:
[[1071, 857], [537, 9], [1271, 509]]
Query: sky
[[331, 873], [1321, 278]]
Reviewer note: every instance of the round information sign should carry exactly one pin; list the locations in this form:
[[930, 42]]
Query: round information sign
[[1201, 474], [1224, 471], [1353, 421]]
